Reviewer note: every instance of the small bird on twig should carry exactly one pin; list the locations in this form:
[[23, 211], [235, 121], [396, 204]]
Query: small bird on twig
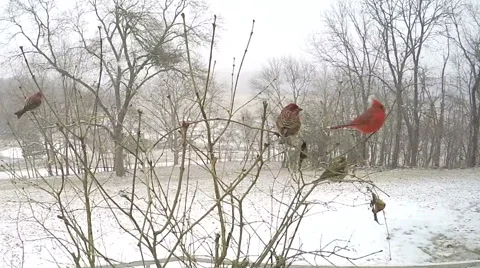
[[369, 121], [336, 171], [288, 122], [31, 102], [377, 205]]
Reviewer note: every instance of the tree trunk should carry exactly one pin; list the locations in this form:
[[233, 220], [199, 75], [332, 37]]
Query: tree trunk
[[174, 146], [430, 147], [269, 149], [176, 156], [66, 141], [174, 136], [67, 148], [364, 153], [474, 126], [383, 151], [409, 126], [473, 140], [50, 157], [284, 159], [373, 152], [118, 159], [439, 128], [415, 142], [398, 128], [438, 140]]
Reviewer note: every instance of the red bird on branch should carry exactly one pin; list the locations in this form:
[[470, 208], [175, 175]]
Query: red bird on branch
[[369, 121], [288, 122], [31, 102]]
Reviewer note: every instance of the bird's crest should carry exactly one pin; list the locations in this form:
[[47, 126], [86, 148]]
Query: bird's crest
[[371, 97], [376, 103]]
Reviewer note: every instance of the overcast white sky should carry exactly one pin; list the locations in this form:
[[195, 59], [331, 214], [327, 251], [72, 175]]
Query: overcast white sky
[[281, 28]]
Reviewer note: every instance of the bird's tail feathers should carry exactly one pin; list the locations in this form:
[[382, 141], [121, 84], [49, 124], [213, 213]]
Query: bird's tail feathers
[[340, 126], [285, 140], [19, 113]]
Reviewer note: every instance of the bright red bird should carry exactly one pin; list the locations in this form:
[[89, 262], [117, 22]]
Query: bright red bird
[[369, 121], [288, 122], [31, 102]]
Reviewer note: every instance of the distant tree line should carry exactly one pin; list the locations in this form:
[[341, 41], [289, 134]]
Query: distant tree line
[[421, 58]]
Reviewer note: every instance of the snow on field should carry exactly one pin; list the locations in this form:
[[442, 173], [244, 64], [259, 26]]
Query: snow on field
[[12, 153], [432, 216], [23, 173]]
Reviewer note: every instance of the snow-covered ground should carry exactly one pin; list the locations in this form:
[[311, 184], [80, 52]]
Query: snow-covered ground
[[11, 152], [432, 216]]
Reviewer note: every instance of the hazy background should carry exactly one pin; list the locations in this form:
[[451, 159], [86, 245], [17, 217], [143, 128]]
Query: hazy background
[[419, 58], [281, 28]]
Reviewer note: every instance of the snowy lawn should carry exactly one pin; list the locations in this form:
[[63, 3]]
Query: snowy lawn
[[432, 216]]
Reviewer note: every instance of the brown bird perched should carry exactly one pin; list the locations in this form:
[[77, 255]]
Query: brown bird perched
[[31, 102], [336, 171], [288, 122]]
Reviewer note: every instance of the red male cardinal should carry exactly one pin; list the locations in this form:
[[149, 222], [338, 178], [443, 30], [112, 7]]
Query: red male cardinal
[[288, 122], [369, 121], [31, 102]]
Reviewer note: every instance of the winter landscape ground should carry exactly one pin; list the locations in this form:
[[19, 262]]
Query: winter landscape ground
[[432, 216]]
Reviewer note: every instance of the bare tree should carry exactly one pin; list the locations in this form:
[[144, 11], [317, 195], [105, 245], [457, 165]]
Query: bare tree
[[141, 41], [168, 102], [387, 14], [351, 46], [283, 80], [298, 75], [421, 18], [467, 37], [439, 127]]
